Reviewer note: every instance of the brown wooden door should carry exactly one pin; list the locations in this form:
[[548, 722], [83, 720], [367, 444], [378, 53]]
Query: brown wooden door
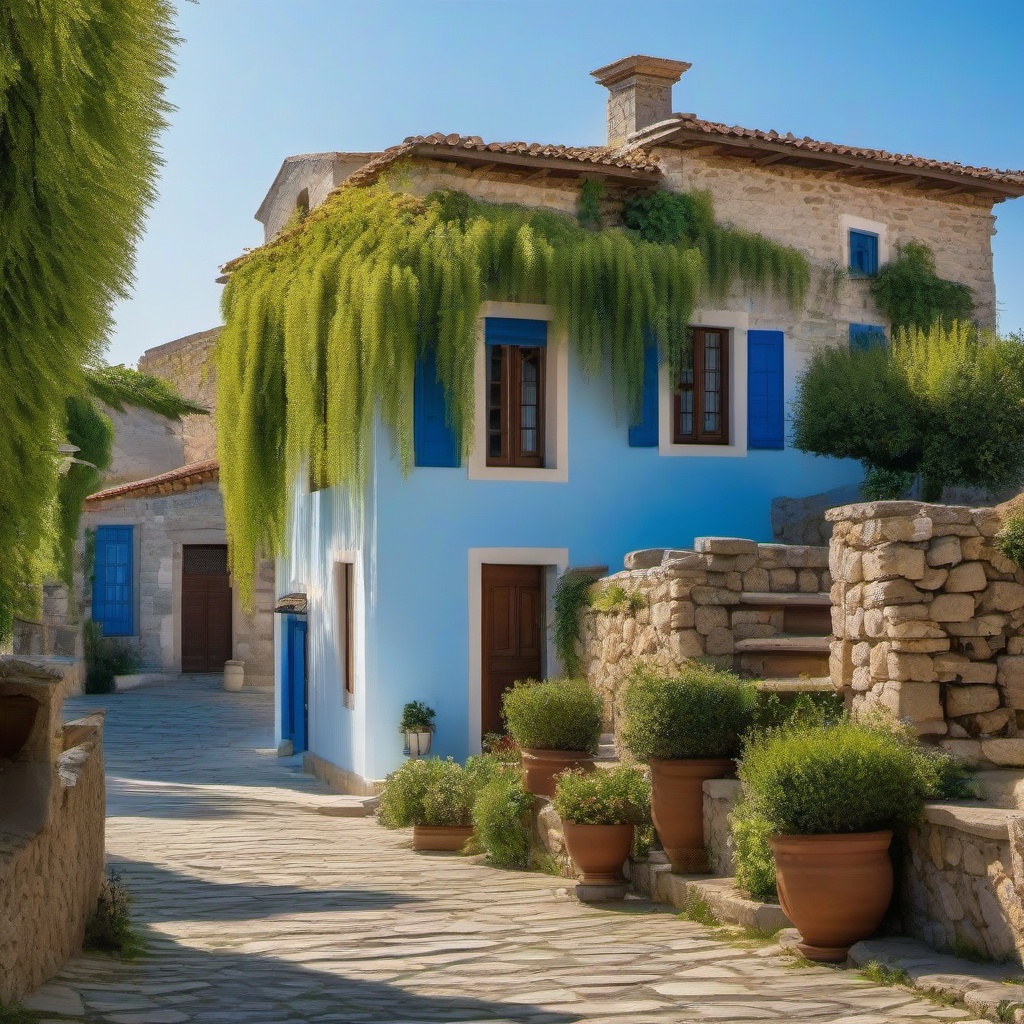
[[513, 633], [205, 608]]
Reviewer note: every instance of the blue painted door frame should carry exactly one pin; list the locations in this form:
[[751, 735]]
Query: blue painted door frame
[[294, 699]]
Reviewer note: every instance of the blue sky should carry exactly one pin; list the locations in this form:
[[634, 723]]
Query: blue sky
[[258, 80]]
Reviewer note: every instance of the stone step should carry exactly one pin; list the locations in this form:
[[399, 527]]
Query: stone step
[[800, 684], [802, 614], [1002, 787], [784, 644], [784, 599]]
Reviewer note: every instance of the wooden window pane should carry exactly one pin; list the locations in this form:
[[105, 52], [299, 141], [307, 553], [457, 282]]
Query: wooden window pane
[[701, 402], [515, 405]]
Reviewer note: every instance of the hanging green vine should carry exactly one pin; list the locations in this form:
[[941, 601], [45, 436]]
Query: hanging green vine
[[911, 295], [572, 595], [324, 326]]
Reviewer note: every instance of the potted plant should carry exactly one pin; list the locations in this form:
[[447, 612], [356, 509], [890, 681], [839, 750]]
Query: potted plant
[[831, 796], [432, 796], [599, 811], [418, 726], [689, 729], [557, 725]]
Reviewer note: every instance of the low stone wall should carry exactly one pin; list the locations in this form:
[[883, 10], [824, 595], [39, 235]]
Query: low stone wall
[[52, 803], [927, 622], [690, 601]]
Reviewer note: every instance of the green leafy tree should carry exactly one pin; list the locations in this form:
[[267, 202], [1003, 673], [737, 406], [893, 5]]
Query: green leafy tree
[[945, 404], [81, 106]]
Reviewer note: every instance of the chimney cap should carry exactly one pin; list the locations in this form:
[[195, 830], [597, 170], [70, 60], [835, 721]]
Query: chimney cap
[[655, 67]]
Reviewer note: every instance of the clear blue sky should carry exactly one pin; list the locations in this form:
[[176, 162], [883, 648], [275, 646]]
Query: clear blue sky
[[258, 80]]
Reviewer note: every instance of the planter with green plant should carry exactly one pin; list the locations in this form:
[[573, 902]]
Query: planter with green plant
[[599, 812], [557, 725], [417, 725], [434, 797], [689, 729], [830, 797]]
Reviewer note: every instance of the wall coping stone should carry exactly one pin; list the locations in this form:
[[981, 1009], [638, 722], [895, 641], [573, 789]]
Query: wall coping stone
[[943, 514], [974, 818]]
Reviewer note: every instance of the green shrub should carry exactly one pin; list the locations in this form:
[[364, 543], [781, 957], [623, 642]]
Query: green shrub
[[663, 216], [775, 710], [701, 713], [557, 714], [606, 796], [417, 717], [105, 658], [755, 866], [1010, 539], [501, 821], [109, 928], [427, 791], [841, 778], [614, 598]]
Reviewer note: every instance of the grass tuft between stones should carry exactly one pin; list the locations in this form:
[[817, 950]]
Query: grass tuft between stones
[[110, 929]]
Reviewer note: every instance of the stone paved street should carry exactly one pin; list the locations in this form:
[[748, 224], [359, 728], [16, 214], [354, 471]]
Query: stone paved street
[[258, 910]]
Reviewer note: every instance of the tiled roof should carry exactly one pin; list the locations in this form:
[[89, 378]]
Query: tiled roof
[[174, 480], [691, 125], [471, 145]]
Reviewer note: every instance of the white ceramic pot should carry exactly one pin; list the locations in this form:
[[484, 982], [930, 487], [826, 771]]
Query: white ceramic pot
[[418, 743], [234, 675]]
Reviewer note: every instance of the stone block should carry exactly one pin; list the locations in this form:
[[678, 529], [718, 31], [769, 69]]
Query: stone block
[[1004, 751], [878, 660], [647, 558], [807, 581], [1015, 645], [905, 613], [1002, 597], [782, 580], [683, 614], [987, 520], [709, 617], [715, 595], [805, 556], [1010, 676], [950, 664], [968, 751], [729, 563], [725, 546], [914, 667], [686, 644], [944, 514], [719, 641], [907, 528], [952, 608], [892, 592], [915, 629], [850, 568], [874, 624], [860, 653], [979, 672], [984, 625], [894, 561], [976, 648], [993, 722], [933, 579], [967, 577], [756, 580], [920, 702], [970, 700], [944, 551], [920, 646]]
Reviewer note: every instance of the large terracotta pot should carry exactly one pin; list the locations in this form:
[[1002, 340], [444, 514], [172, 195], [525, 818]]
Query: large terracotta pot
[[835, 889], [540, 768], [445, 838], [17, 716], [677, 807], [599, 851]]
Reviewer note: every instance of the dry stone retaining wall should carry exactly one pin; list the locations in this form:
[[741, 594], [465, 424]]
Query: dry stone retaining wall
[[928, 622]]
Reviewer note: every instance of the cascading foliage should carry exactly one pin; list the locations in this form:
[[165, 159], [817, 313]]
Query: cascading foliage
[[324, 327]]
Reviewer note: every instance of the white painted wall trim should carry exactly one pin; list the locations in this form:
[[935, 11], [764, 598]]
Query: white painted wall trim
[[848, 222], [556, 561], [737, 324], [556, 401]]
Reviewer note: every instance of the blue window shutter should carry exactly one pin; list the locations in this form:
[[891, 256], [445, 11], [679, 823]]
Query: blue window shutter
[[644, 433], [863, 252], [766, 427], [433, 436], [504, 330], [113, 603], [864, 336]]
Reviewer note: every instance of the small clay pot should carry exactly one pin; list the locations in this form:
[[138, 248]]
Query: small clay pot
[[443, 838], [835, 889], [677, 807], [599, 851], [542, 767], [17, 716]]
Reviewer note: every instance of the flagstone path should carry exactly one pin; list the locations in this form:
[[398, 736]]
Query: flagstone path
[[258, 910]]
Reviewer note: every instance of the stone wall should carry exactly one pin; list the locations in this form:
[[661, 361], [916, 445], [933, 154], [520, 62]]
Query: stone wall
[[691, 601], [927, 622], [52, 805]]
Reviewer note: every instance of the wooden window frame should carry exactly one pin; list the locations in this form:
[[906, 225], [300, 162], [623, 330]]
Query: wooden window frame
[[345, 591], [510, 426], [699, 435]]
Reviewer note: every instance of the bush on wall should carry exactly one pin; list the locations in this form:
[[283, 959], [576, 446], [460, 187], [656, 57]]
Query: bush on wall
[[557, 714]]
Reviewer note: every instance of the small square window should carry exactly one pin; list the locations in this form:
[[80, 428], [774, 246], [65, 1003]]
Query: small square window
[[863, 253], [866, 336]]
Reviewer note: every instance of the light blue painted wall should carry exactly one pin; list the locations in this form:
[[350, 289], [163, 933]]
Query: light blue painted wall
[[618, 499]]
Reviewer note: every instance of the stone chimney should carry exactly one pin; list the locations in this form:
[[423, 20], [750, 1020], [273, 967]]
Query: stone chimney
[[639, 93]]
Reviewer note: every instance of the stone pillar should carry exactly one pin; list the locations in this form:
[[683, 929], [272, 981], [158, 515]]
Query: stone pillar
[[639, 93], [927, 622]]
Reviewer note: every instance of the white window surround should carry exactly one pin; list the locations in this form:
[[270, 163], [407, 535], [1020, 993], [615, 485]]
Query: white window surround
[[556, 560], [848, 223], [556, 401], [737, 325]]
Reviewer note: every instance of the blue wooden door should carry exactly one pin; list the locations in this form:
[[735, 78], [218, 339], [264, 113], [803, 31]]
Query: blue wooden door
[[294, 704]]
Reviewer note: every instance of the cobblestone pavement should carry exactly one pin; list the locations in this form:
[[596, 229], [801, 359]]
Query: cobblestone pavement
[[257, 910]]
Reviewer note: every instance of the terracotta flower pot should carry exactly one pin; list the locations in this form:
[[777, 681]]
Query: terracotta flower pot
[[17, 716], [677, 807], [835, 889], [540, 768], [447, 838], [599, 851]]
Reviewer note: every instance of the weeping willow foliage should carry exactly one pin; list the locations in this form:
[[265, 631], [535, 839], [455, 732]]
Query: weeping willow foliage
[[325, 325], [911, 295], [81, 105]]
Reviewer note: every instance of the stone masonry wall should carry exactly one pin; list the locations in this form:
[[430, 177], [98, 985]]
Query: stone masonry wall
[[690, 600], [927, 622]]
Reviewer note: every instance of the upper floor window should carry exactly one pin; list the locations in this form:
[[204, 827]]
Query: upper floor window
[[700, 412], [863, 253], [515, 405]]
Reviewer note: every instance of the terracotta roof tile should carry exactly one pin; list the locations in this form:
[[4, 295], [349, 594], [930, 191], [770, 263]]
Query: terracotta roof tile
[[173, 480]]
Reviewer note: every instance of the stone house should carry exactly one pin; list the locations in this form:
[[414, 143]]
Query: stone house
[[443, 593]]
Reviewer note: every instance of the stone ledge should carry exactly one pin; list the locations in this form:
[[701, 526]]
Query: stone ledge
[[975, 819]]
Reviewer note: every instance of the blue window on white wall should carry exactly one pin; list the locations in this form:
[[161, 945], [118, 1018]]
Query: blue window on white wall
[[865, 336], [863, 253], [113, 599], [433, 437]]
